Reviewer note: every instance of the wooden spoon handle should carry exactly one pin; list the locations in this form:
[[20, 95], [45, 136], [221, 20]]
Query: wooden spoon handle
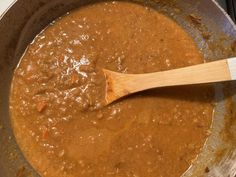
[[119, 85], [217, 71]]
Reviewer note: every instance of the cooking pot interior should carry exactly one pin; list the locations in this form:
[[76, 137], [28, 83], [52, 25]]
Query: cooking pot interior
[[212, 30]]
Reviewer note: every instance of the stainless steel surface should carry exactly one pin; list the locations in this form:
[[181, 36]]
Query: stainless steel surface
[[4, 5], [26, 18]]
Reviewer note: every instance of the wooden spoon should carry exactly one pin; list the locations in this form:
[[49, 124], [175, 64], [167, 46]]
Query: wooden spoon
[[119, 85]]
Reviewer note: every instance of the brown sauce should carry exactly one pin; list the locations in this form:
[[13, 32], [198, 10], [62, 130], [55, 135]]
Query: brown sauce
[[58, 86]]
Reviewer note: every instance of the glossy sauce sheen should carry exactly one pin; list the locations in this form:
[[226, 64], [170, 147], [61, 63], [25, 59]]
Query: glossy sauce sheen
[[58, 88]]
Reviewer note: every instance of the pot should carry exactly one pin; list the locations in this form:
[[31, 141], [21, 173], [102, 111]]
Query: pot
[[205, 21]]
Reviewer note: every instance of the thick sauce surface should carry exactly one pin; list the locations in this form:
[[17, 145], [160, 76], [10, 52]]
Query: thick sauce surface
[[58, 87]]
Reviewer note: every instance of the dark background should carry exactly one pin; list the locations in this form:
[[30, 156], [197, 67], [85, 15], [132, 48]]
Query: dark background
[[230, 7]]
